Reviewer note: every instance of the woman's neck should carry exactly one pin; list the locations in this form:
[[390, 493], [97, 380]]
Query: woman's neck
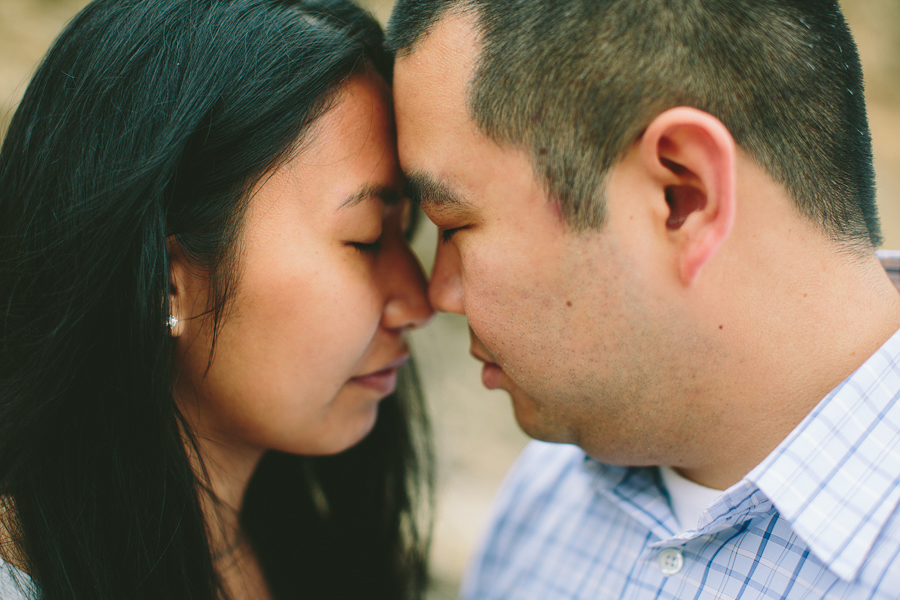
[[226, 471]]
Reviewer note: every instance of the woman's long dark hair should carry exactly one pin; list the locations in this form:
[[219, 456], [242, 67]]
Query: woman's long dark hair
[[150, 119]]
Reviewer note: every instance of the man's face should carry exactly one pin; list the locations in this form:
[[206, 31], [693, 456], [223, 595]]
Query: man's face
[[566, 316]]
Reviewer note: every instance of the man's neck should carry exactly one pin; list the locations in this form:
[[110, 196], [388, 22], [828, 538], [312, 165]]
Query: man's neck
[[808, 325]]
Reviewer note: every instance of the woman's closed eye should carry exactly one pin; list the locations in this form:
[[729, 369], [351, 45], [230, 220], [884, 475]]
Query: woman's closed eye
[[369, 248]]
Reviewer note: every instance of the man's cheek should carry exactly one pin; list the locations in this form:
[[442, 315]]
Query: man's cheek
[[498, 333]]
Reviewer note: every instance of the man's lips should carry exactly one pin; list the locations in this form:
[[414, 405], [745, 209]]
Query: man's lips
[[480, 356], [478, 350], [384, 380], [491, 373]]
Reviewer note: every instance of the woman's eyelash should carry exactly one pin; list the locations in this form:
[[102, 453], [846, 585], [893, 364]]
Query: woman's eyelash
[[367, 248]]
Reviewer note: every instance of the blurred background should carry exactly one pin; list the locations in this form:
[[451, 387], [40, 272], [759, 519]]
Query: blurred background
[[476, 436]]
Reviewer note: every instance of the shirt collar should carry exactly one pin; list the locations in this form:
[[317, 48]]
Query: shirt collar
[[836, 477], [637, 491]]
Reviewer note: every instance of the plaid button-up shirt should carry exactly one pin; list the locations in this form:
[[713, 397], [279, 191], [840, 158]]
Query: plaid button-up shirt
[[818, 518]]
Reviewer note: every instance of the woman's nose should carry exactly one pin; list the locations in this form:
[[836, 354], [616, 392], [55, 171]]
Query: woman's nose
[[407, 306]]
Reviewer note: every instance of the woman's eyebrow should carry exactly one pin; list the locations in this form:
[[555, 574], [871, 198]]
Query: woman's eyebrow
[[390, 196]]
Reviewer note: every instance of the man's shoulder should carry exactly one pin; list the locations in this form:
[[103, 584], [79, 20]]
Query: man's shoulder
[[544, 486], [546, 457], [549, 512], [539, 472]]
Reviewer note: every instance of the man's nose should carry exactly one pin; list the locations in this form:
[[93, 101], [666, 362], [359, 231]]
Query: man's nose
[[445, 288]]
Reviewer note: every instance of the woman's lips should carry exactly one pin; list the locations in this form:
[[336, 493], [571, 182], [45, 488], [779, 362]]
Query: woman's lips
[[384, 380]]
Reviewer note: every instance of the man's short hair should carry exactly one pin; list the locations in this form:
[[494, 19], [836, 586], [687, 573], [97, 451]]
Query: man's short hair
[[576, 82]]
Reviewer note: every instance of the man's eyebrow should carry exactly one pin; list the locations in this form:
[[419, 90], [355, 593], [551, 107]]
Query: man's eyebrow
[[389, 196], [424, 190]]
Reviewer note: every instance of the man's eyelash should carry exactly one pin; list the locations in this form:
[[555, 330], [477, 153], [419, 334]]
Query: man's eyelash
[[447, 234]]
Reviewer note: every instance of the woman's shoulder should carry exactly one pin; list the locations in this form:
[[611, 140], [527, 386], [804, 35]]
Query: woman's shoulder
[[14, 584]]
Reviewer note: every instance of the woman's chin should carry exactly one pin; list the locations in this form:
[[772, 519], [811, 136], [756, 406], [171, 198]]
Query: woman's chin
[[337, 438]]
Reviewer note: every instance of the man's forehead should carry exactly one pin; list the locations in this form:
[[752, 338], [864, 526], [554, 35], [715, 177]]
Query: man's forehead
[[430, 99], [444, 59]]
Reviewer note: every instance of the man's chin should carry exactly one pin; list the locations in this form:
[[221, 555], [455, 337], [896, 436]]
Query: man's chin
[[536, 423], [531, 419]]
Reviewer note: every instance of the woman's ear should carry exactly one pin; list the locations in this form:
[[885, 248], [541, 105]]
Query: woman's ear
[[691, 157], [178, 289]]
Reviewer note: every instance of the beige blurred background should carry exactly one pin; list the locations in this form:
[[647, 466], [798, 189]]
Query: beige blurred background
[[475, 434]]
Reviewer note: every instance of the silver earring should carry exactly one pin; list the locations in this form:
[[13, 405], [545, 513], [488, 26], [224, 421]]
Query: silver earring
[[172, 322]]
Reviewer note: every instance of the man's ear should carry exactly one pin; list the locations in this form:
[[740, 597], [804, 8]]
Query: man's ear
[[691, 157]]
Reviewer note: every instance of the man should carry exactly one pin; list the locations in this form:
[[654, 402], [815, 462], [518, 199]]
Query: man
[[659, 219]]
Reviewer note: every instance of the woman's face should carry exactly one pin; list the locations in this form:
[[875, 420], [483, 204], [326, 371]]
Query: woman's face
[[327, 288]]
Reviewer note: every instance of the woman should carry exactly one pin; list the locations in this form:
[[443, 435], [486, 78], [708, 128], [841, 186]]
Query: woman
[[204, 287]]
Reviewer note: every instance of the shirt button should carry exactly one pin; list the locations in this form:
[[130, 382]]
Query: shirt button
[[670, 561]]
